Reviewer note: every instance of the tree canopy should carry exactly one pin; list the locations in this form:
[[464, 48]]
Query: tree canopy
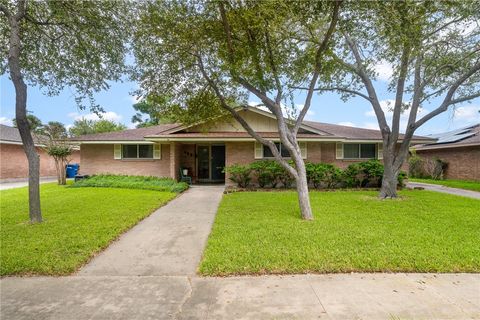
[[86, 126]]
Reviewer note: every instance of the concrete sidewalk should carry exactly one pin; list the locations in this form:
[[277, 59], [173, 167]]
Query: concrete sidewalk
[[340, 296], [169, 242], [443, 189]]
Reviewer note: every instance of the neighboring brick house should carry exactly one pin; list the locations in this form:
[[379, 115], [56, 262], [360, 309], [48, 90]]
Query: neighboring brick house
[[459, 148], [206, 149], [13, 161]]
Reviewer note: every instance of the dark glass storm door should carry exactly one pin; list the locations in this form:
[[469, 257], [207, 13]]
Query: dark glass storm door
[[218, 163], [211, 160]]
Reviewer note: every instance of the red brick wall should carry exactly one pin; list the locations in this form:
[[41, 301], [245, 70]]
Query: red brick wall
[[463, 163], [14, 164], [96, 159], [187, 158]]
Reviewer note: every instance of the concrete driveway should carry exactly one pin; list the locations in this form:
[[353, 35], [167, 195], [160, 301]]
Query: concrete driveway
[[19, 183], [443, 189], [149, 273]]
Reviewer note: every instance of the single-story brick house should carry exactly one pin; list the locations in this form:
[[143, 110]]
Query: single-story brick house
[[205, 149], [459, 148], [13, 161]]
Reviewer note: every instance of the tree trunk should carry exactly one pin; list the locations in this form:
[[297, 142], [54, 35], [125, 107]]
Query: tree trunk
[[22, 122], [302, 191], [389, 180]]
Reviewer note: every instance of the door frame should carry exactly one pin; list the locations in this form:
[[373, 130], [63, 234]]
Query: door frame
[[209, 145]]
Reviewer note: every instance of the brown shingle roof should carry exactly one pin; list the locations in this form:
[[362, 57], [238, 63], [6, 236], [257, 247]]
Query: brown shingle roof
[[127, 135], [353, 133], [12, 135], [230, 134], [467, 136]]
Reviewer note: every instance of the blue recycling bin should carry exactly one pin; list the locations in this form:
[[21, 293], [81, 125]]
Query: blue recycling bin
[[72, 170]]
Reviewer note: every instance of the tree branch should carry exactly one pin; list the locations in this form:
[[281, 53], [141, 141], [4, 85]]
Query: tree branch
[[346, 90], [372, 94], [321, 50], [397, 109], [242, 121], [447, 101]]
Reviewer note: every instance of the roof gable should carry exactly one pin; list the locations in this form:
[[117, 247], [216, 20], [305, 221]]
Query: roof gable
[[259, 120]]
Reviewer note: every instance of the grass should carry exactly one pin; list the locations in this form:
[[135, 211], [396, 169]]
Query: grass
[[132, 182], [77, 224], [261, 233], [461, 184]]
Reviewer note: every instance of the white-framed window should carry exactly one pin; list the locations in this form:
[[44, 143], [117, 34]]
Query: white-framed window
[[264, 152], [267, 153], [137, 151], [359, 150]]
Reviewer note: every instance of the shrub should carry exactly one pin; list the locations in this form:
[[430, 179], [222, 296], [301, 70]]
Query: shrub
[[352, 176], [323, 174], [266, 172], [419, 167], [371, 173], [240, 174], [401, 178], [132, 182]]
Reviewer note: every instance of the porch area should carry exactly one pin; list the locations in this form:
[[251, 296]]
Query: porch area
[[202, 162]]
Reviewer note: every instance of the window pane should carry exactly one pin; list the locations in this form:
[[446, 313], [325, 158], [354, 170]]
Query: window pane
[[285, 152], [367, 151], [145, 151], [129, 151], [350, 151], [267, 153]]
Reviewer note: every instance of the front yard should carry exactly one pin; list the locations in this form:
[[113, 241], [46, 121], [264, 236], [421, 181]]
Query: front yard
[[78, 222], [460, 184], [261, 233]]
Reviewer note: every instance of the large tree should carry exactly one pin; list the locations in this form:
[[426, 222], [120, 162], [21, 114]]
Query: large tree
[[212, 55], [434, 52], [58, 44], [87, 126]]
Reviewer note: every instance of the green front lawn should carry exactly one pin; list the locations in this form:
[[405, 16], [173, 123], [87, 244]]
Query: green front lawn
[[461, 184], [261, 232], [78, 222]]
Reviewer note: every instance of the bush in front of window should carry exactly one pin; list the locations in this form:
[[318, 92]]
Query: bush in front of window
[[267, 173], [240, 174], [323, 175]]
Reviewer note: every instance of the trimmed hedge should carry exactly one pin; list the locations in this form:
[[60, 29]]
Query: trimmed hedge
[[270, 174], [131, 182]]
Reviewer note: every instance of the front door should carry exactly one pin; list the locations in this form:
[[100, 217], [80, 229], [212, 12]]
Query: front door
[[218, 163], [210, 162]]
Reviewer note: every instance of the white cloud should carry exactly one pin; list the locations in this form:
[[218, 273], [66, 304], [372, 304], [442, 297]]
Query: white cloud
[[109, 115], [5, 121], [370, 125], [384, 70], [467, 114], [346, 123]]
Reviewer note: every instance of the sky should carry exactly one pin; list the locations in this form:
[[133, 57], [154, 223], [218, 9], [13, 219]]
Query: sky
[[118, 100]]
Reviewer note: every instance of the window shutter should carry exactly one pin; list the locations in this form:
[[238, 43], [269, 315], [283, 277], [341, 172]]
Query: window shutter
[[303, 149], [117, 151], [258, 150], [380, 151], [157, 151], [339, 150]]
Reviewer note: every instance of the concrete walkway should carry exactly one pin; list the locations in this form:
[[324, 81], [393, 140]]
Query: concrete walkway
[[168, 242], [149, 273], [19, 183], [443, 189]]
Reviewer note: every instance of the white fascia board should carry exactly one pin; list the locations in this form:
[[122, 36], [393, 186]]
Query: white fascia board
[[116, 142]]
